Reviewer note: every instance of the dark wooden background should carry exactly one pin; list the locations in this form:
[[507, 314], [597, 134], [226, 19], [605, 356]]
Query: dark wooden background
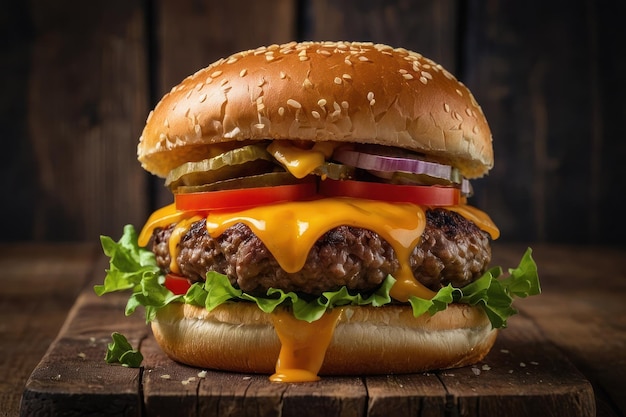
[[79, 78]]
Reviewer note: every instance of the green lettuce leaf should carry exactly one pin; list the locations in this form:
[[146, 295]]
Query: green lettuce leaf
[[120, 351], [217, 289], [491, 292], [134, 268]]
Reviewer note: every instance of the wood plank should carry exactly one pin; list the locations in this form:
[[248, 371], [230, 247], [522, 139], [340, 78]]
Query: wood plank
[[406, 395], [87, 103], [552, 116], [39, 285], [73, 379], [523, 375]]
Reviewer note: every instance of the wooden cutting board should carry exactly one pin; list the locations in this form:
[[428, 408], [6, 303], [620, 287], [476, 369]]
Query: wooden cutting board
[[524, 375]]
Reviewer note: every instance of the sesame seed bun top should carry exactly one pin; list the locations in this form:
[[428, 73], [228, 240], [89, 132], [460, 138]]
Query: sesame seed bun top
[[320, 91]]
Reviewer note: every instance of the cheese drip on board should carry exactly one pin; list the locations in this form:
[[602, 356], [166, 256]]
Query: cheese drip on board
[[303, 345]]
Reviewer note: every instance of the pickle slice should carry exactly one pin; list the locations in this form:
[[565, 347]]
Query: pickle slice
[[239, 162], [269, 179], [335, 171]]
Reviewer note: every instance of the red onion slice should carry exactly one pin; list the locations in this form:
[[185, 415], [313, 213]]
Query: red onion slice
[[395, 164], [384, 166]]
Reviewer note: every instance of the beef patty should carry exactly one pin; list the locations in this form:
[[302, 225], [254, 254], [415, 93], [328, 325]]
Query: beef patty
[[452, 250]]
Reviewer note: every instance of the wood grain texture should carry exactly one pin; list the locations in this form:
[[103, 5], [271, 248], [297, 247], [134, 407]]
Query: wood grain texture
[[39, 284], [546, 77], [86, 104]]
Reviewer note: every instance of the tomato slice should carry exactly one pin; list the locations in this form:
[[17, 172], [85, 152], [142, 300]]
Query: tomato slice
[[244, 197], [427, 195], [177, 284]]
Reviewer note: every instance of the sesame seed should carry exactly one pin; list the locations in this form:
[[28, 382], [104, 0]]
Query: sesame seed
[[166, 123], [269, 57], [423, 80], [307, 83], [457, 116], [281, 111], [243, 72], [475, 130], [345, 104], [459, 92], [304, 58], [427, 75], [259, 126], [232, 60], [446, 107], [370, 96], [282, 75], [315, 114], [347, 61], [209, 80], [416, 66], [402, 71], [372, 102], [189, 93], [216, 74], [346, 77], [302, 52], [293, 103], [321, 102], [324, 52], [336, 106], [468, 111], [187, 111], [337, 80], [448, 75], [199, 86], [363, 59], [224, 82], [407, 76]]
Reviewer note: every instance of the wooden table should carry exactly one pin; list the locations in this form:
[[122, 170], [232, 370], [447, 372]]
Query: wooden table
[[564, 354]]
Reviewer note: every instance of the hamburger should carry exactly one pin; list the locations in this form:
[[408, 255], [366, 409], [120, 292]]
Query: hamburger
[[320, 223]]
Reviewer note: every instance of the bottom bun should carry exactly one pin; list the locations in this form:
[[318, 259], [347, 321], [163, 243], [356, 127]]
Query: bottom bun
[[367, 340]]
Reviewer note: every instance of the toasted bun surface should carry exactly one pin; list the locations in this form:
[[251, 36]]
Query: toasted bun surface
[[367, 340], [342, 91]]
